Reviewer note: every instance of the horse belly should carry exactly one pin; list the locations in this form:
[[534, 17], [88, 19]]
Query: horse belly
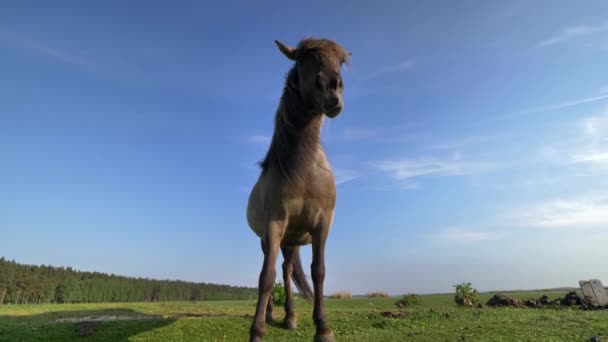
[[296, 236]]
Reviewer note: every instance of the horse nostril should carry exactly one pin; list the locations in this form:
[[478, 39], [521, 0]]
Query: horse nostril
[[333, 83], [333, 102]]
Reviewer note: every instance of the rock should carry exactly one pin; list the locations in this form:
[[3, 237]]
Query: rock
[[594, 291], [571, 299], [533, 303], [544, 300], [499, 300]]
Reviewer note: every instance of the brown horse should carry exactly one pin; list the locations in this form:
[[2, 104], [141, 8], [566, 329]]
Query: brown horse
[[292, 203]]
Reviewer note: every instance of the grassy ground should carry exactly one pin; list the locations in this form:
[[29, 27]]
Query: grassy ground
[[357, 319]]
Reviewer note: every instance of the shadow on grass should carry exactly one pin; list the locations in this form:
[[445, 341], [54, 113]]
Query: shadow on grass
[[83, 325]]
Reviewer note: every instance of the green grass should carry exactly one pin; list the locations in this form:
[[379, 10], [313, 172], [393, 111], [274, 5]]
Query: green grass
[[356, 319]]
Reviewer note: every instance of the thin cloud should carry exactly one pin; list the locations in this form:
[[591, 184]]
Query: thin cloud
[[570, 155], [451, 145], [466, 235], [548, 108], [581, 212], [18, 42], [591, 156], [343, 175], [259, 139], [411, 168], [589, 146], [563, 105], [69, 56], [571, 33], [359, 134], [409, 186], [391, 69], [383, 133]]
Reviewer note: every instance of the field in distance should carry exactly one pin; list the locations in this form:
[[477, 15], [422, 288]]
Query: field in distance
[[354, 319]]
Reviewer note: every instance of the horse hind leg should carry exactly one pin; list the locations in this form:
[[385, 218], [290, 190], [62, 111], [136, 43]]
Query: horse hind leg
[[290, 321]]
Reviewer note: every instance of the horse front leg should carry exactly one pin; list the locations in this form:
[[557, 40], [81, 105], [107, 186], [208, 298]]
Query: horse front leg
[[271, 243], [269, 306], [324, 333], [290, 321]]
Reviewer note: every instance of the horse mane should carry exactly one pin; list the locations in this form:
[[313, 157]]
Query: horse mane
[[295, 136]]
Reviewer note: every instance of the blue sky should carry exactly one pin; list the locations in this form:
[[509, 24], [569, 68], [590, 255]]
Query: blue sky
[[473, 145]]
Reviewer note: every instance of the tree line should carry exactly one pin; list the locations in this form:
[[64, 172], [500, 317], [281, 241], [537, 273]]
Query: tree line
[[33, 284]]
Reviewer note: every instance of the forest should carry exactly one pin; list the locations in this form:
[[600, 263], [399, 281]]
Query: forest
[[34, 284]]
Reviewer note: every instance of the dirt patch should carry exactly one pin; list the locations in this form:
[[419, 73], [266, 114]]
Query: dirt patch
[[104, 318], [394, 314], [188, 315], [84, 329]]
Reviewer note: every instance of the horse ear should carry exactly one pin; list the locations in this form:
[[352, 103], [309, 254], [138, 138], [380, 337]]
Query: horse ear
[[289, 52]]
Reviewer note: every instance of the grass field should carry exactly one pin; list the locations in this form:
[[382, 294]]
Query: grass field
[[356, 319]]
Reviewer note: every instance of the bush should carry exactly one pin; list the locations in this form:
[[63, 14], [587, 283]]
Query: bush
[[341, 295], [408, 300], [278, 294], [466, 295], [377, 295]]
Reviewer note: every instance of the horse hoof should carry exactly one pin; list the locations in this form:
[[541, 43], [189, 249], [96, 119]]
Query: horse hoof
[[255, 339], [326, 337], [290, 325]]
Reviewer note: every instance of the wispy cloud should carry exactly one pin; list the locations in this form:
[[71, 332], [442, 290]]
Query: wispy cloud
[[411, 168], [408, 186], [585, 211], [562, 105], [15, 41], [548, 108], [596, 126], [391, 69], [589, 145], [451, 145], [69, 56], [359, 133], [570, 33], [259, 139], [466, 235], [344, 175]]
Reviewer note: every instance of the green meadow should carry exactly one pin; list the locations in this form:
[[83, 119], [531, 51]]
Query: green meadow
[[354, 319]]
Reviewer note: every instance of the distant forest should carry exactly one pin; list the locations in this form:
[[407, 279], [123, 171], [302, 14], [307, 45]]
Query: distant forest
[[32, 284]]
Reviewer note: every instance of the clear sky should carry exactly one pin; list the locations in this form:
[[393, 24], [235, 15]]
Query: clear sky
[[473, 145]]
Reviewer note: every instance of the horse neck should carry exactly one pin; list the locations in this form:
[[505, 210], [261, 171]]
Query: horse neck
[[296, 140]]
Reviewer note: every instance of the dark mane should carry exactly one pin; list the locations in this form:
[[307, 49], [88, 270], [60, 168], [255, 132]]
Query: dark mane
[[295, 136]]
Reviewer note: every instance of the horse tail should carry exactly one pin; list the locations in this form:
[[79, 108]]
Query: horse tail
[[299, 277]]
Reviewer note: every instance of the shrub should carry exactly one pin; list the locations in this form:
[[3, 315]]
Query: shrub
[[377, 295], [341, 295], [408, 300], [278, 294], [466, 295]]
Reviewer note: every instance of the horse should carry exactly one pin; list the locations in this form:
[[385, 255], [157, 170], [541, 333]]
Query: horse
[[293, 200]]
